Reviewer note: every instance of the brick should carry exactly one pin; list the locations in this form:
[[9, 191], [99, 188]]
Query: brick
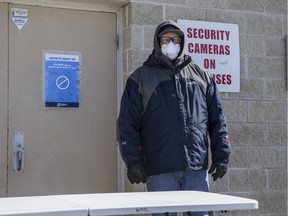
[[246, 5], [236, 4], [227, 17], [238, 180], [277, 179], [239, 157], [127, 38], [145, 14], [125, 16], [250, 89], [273, 25], [175, 2], [266, 156], [276, 6], [149, 37], [255, 5], [284, 25], [136, 58], [255, 23], [275, 46], [246, 134], [243, 67], [265, 67], [252, 45], [271, 203], [276, 90], [257, 180], [241, 180], [263, 111], [186, 13], [235, 110], [264, 24], [137, 37], [125, 62], [214, 4], [276, 134]]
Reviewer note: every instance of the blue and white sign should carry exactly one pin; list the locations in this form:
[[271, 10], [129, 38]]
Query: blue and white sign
[[62, 80]]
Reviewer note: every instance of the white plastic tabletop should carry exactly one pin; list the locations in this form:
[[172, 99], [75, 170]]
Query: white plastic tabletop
[[40, 205], [159, 202], [123, 203]]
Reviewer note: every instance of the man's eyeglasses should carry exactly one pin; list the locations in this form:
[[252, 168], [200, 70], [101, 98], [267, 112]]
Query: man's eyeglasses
[[166, 40]]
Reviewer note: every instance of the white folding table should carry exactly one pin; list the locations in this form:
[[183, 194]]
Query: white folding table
[[40, 206], [123, 203]]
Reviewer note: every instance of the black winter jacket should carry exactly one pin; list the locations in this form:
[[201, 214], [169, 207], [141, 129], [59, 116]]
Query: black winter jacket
[[168, 110]]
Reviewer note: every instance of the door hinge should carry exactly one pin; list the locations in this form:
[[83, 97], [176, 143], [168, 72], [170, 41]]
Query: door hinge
[[117, 41]]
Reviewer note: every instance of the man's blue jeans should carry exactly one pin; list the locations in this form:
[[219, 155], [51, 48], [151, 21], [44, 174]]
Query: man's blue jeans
[[190, 180]]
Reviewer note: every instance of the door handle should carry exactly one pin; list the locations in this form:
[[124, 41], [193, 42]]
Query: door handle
[[18, 152]]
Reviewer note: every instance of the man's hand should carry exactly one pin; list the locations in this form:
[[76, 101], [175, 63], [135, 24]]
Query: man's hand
[[136, 174], [221, 170]]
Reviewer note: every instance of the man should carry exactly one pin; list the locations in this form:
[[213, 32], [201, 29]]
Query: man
[[169, 107]]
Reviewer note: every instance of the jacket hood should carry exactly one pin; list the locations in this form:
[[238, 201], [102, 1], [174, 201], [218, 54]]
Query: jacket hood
[[164, 27]]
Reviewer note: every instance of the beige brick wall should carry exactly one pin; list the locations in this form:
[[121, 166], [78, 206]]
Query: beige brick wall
[[257, 116]]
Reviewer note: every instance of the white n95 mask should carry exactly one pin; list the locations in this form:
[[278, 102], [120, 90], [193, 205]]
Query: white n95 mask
[[170, 50]]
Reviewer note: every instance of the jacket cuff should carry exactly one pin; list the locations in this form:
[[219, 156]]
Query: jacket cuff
[[133, 164]]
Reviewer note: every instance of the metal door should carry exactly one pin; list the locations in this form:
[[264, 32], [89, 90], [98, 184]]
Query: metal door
[[66, 150]]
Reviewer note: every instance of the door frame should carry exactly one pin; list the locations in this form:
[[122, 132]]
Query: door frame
[[4, 100], [110, 6]]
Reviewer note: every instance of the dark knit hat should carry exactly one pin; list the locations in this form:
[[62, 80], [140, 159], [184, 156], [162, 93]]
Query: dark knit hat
[[170, 28]]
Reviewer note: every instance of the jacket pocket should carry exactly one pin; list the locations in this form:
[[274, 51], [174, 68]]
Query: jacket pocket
[[197, 146]]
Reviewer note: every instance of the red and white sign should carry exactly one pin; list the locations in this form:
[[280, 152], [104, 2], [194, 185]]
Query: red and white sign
[[215, 46]]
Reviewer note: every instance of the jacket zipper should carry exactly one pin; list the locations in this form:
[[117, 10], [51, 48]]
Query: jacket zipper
[[180, 103]]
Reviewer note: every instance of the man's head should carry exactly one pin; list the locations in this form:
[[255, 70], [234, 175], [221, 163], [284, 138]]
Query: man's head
[[169, 40], [170, 44], [169, 37], [170, 26]]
